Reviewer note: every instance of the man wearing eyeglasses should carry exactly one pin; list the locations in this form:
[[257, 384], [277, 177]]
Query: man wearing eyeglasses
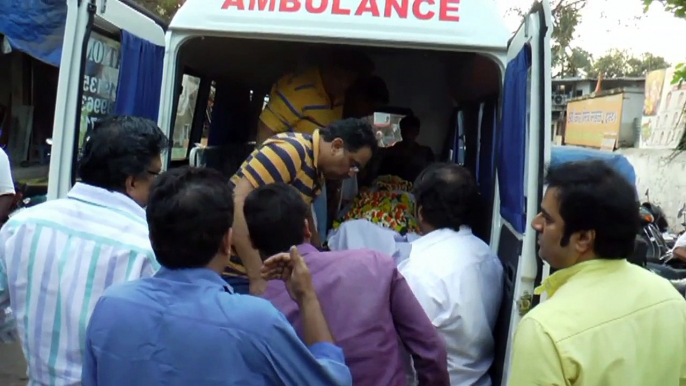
[[57, 258], [304, 161]]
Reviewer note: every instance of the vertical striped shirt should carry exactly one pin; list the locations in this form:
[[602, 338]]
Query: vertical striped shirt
[[299, 103], [290, 158], [56, 260]]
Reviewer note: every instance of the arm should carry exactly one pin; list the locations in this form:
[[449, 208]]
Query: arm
[[314, 239], [296, 363], [419, 336], [280, 115], [535, 360], [6, 187], [6, 202]]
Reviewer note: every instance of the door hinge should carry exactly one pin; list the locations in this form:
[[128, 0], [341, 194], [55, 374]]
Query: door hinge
[[524, 303]]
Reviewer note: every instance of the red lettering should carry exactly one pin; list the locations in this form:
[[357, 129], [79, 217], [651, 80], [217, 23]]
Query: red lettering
[[309, 5], [449, 6], [417, 9], [233, 3], [400, 9], [262, 4], [368, 6], [289, 6], [337, 10]]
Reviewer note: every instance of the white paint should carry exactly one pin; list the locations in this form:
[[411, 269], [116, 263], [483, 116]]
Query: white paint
[[661, 171]]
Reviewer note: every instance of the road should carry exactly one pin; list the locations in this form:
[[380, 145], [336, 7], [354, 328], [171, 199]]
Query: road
[[12, 365]]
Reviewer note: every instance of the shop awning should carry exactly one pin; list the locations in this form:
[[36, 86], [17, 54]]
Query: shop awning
[[35, 27]]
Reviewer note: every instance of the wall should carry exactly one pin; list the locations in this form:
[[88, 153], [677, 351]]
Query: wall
[[663, 173], [632, 108]]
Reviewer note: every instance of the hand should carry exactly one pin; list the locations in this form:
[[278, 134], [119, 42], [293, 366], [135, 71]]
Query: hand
[[291, 268], [258, 286]]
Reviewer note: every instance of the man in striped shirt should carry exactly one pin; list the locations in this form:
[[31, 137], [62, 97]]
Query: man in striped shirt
[[303, 161], [56, 259], [307, 101]]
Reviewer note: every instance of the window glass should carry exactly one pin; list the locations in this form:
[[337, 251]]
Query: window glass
[[387, 128], [100, 81]]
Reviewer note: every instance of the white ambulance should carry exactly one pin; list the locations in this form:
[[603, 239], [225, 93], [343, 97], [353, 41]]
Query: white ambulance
[[483, 96]]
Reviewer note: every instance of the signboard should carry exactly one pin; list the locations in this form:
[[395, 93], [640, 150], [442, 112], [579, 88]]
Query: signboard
[[591, 122], [662, 125], [100, 79]]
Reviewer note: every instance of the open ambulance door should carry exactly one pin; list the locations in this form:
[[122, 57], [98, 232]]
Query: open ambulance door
[[89, 75], [523, 150]]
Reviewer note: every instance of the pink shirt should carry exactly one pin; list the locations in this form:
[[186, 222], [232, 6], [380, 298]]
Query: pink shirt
[[372, 313]]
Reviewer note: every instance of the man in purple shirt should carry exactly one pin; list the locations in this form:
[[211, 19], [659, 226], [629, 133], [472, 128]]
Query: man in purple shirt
[[372, 312]]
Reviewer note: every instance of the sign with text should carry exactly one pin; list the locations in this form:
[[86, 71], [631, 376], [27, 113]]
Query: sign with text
[[590, 122], [662, 125], [99, 81]]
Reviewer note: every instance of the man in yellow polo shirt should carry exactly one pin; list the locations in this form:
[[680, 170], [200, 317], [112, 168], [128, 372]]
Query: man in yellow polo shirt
[[304, 102], [607, 322], [304, 161]]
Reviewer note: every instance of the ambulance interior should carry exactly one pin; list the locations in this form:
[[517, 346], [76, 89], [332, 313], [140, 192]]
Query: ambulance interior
[[455, 95]]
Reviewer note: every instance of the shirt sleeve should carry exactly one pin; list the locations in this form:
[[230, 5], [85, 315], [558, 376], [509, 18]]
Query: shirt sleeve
[[295, 364], [277, 161], [6, 181], [282, 111], [535, 359], [8, 328], [681, 241], [418, 335]]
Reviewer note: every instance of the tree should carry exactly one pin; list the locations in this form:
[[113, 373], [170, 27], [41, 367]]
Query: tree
[[678, 7], [579, 61], [164, 8], [644, 64], [616, 63]]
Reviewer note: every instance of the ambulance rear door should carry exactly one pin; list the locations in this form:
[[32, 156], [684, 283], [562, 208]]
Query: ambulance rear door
[[522, 153]]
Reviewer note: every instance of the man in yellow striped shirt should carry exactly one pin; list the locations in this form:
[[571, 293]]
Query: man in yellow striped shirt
[[304, 102], [304, 161]]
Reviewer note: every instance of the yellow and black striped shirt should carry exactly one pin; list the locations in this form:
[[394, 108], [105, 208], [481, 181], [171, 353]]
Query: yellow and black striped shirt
[[289, 158]]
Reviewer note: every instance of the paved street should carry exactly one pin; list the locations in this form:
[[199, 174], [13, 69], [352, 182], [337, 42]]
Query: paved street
[[12, 366]]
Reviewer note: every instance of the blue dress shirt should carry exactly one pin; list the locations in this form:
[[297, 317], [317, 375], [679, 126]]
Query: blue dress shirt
[[187, 327]]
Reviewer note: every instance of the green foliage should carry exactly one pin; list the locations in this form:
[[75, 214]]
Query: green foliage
[[164, 8], [617, 63]]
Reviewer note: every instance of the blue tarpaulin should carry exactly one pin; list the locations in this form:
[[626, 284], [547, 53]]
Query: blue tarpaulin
[[562, 154], [35, 27], [512, 144], [140, 77]]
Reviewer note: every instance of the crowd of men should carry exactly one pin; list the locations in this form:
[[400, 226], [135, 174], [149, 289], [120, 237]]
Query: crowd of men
[[189, 277]]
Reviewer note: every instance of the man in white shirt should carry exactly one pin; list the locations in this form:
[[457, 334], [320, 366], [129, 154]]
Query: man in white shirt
[[680, 247], [454, 274], [57, 258], [6, 186]]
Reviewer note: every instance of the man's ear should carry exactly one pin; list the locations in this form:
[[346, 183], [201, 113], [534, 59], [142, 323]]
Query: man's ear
[[130, 184], [306, 231], [337, 144], [226, 242], [584, 241]]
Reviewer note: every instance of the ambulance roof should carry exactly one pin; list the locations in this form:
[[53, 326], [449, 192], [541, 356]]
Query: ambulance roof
[[474, 24]]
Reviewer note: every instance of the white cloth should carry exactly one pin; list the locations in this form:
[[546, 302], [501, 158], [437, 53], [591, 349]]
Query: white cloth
[[6, 181], [357, 234], [56, 260], [458, 280], [681, 241]]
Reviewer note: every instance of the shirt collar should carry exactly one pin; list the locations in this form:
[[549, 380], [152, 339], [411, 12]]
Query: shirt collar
[[306, 249], [105, 198], [555, 281], [438, 236], [204, 277]]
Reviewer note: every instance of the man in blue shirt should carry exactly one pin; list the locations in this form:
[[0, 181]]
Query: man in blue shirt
[[185, 326]]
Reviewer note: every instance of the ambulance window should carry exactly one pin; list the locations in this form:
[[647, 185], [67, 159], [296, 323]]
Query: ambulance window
[[184, 117], [100, 80]]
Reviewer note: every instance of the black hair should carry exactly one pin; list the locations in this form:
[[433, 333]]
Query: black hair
[[446, 194], [410, 122], [351, 60], [189, 213], [356, 133], [275, 214], [373, 88], [594, 196], [120, 147]]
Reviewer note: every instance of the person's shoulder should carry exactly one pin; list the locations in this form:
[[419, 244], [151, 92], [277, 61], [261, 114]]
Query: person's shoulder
[[299, 82], [255, 314], [362, 258]]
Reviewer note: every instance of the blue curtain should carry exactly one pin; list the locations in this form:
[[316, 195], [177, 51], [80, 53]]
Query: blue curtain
[[140, 77], [512, 145], [35, 27]]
